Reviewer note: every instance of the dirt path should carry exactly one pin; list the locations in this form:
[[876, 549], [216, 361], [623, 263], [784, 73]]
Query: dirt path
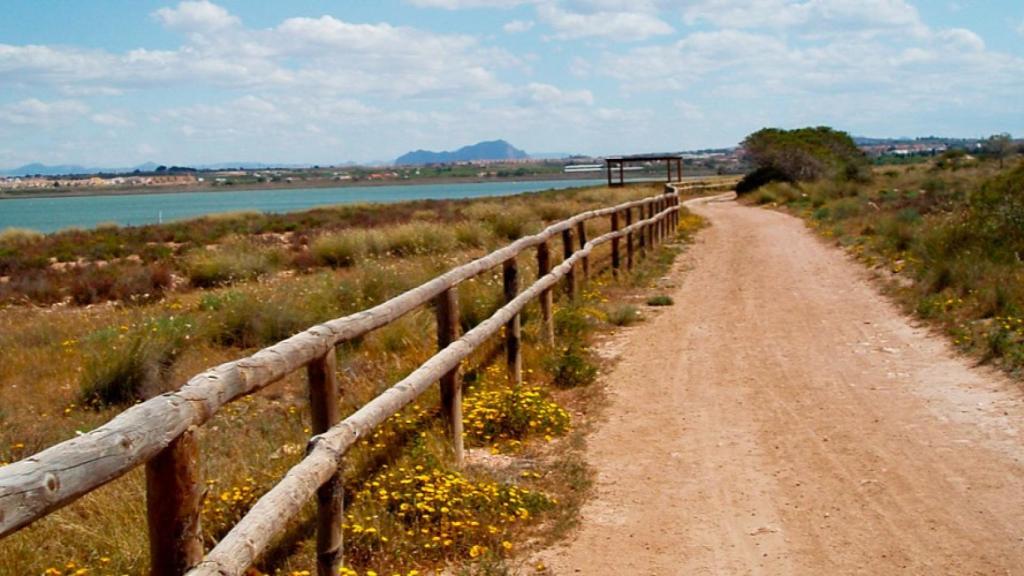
[[782, 418]]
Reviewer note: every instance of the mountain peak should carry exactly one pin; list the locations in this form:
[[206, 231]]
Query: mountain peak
[[488, 150]]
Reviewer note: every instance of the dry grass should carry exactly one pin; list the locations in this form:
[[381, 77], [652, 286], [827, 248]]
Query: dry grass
[[948, 239], [45, 359]]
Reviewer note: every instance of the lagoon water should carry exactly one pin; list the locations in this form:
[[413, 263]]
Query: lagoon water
[[51, 214]]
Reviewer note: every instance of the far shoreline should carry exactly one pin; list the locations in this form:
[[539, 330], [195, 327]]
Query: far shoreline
[[306, 184]]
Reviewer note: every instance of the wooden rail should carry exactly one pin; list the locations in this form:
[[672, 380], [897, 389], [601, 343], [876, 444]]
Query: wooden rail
[[159, 432]]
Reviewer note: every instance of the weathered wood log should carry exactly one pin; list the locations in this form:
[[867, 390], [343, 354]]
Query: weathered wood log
[[663, 223], [54, 477], [570, 277], [581, 233], [451, 388], [325, 412], [649, 232], [271, 513], [615, 245], [547, 320], [513, 330], [629, 240], [174, 498]]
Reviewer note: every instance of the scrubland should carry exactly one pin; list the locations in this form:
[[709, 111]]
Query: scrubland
[[947, 236], [95, 321]]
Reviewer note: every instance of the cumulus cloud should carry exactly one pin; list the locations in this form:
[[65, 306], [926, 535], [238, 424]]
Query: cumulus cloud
[[915, 71], [623, 26], [538, 94], [813, 15], [35, 112], [517, 26], [196, 15], [324, 54], [111, 120], [460, 4]]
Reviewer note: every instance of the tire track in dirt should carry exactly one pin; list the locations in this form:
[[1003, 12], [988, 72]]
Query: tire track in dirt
[[783, 418]]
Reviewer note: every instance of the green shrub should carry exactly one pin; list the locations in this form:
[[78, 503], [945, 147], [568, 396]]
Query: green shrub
[[245, 321], [571, 366], [845, 208], [19, 236], [624, 315], [231, 262], [129, 283], [766, 197], [472, 234], [512, 414], [418, 238], [339, 250], [573, 363], [132, 363], [660, 300], [761, 177], [479, 299]]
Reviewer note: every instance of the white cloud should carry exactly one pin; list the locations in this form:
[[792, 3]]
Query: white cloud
[[460, 4], [688, 111], [813, 15], [621, 26], [111, 119], [1020, 28], [35, 112], [196, 15], [323, 54], [517, 26], [839, 77], [961, 39], [537, 94]]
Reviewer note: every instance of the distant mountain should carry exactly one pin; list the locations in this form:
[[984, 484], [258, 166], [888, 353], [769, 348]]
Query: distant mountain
[[36, 168], [492, 150], [74, 169]]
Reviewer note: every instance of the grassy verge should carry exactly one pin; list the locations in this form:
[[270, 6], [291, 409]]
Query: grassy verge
[[947, 238], [66, 370]]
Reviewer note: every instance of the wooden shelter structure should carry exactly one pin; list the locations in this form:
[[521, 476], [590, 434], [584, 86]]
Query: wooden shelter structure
[[670, 160]]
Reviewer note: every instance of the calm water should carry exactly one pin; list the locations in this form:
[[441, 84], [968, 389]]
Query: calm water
[[51, 214]]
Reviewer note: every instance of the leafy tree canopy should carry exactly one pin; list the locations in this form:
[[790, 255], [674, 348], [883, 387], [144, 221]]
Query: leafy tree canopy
[[807, 154]]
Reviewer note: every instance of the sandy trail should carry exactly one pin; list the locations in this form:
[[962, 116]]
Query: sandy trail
[[783, 418]]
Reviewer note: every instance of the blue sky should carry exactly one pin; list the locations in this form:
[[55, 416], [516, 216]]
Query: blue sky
[[120, 82]]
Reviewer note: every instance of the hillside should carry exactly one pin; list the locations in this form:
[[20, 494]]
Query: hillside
[[491, 150]]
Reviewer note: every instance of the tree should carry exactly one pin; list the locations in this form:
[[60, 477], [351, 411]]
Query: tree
[[803, 155], [999, 146]]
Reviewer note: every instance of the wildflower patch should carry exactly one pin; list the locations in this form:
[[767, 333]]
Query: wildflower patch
[[508, 415]]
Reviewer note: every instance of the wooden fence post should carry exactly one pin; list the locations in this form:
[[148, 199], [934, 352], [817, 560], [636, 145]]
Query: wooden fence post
[[663, 223], [615, 245], [658, 228], [649, 234], [629, 239], [570, 276], [513, 348], [325, 412], [173, 499], [451, 388], [543, 268], [581, 231]]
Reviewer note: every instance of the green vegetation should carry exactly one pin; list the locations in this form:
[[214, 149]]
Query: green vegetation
[[950, 236], [69, 369], [802, 155], [624, 315], [141, 264], [660, 300]]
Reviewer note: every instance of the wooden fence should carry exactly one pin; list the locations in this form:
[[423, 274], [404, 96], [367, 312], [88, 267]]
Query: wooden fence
[[160, 432]]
